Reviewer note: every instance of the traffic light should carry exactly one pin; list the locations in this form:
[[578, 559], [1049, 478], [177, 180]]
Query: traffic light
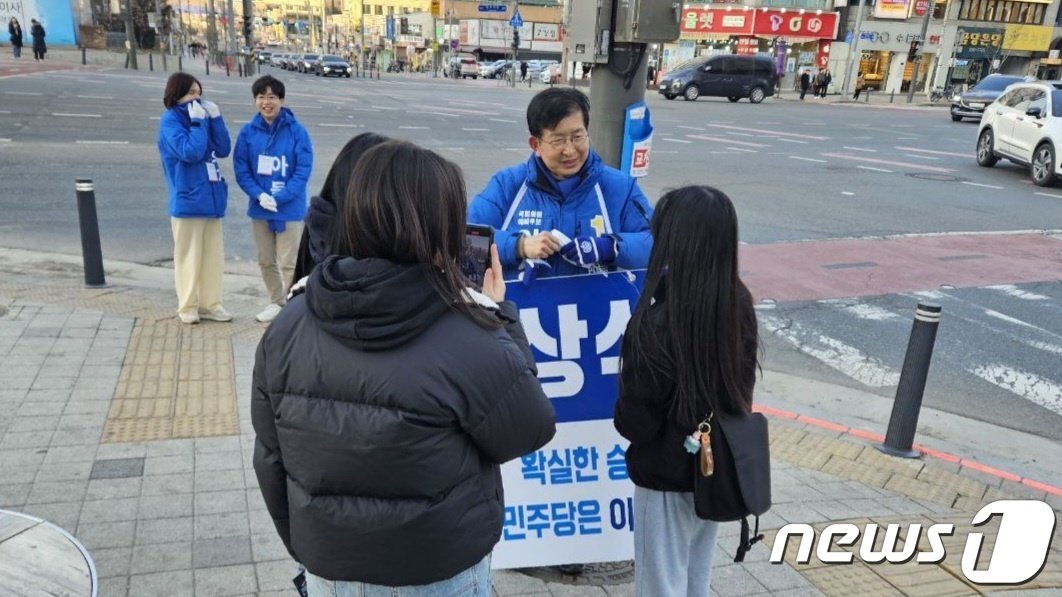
[[516, 39], [912, 54]]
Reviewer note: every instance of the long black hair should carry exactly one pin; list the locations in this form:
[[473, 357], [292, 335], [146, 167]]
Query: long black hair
[[701, 342], [408, 206], [334, 189]]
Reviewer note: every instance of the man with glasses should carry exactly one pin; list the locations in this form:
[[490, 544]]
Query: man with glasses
[[563, 211]]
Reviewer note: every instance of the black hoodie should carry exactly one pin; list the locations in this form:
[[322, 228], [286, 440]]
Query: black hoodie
[[381, 417]]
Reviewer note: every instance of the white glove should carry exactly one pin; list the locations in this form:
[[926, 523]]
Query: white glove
[[211, 108], [196, 111], [267, 202]]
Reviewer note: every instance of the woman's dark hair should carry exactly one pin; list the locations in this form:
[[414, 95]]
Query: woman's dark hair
[[551, 106], [694, 268], [178, 86], [407, 205], [339, 175]]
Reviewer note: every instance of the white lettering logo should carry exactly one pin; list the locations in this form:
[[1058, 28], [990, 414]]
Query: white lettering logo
[[1019, 554], [776, 22]]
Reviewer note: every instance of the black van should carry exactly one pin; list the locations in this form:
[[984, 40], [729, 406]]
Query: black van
[[727, 75]]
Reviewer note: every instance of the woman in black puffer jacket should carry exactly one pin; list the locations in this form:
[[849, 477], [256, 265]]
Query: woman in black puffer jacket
[[386, 396]]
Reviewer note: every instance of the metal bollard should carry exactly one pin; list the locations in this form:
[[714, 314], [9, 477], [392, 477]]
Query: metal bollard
[[208, 66], [91, 254], [904, 418], [239, 69], [164, 69], [227, 73], [180, 63], [151, 62], [83, 62], [892, 96]]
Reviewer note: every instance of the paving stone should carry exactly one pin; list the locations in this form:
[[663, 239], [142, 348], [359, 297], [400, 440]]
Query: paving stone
[[178, 583], [117, 586], [64, 515], [267, 547], [775, 577], [275, 576], [227, 580], [560, 590], [261, 521], [118, 468], [166, 506], [112, 562], [18, 476], [106, 534], [69, 454], [64, 471], [221, 525], [168, 465], [162, 557], [29, 408], [170, 447], [25, 439], [624, 590], [74, 437], [31, 424], [47, 492], [509, 582], [734, 580], [14, 495], [109, 510], [218, 461], [219, 480], [109, 489], [168, 484], [206, 445], [164, 530], [221, 551]]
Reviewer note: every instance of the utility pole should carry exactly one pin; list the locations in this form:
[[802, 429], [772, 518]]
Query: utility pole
[[248, 32], [853, 51], [612, 94], [361, 26], [130, 34], [230, 30], [920, 56], [212, 31]]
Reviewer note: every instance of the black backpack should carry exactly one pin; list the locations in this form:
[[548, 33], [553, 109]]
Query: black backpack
[[741, 484]]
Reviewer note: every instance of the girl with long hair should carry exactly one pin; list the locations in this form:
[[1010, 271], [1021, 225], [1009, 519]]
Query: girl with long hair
[[689, 353], [388, 393]]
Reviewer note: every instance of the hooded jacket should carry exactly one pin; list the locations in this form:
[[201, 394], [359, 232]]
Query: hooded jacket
[[15, 33], [287, 144], [526, 199], [381, 418], [189, 150], [316, 241]]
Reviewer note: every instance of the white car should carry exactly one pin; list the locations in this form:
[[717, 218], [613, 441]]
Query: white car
[[1024, 126], [550, 74]]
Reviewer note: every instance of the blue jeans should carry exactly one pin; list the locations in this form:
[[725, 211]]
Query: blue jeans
[[17, 50], [673, 549], [473, 582]]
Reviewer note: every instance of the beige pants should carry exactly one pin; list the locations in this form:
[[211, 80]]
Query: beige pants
[[198, 259], [277, 252]]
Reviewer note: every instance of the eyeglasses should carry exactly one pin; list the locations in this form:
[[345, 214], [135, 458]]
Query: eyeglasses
[[577, 140]]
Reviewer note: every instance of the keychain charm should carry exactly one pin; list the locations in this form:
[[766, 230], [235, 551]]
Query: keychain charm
[[707, 463]]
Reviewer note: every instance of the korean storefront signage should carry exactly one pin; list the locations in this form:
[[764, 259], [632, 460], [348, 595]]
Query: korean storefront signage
[[571, 501], [979, 42], [742, 21], [1027, 38], [895, 37], [891, 9]]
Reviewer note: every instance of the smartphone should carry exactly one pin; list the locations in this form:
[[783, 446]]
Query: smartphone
[[476, 259]]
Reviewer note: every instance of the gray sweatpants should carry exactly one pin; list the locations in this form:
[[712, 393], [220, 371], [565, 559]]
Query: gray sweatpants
[[673, 549]]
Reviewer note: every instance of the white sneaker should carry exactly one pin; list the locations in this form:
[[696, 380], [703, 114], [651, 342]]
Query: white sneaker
[[188, 317], [268, 314], [219, 314]]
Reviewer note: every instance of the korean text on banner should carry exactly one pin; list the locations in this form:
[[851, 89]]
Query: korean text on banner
[[571, 501], [637, 140]]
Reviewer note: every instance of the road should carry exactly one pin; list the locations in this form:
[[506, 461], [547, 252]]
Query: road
[[851, 214]]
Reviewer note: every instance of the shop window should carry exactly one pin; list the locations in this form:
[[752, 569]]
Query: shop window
[[379, 10]]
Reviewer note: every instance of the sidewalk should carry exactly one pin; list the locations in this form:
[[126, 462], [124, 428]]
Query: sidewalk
[[132, 432], [877, 99]]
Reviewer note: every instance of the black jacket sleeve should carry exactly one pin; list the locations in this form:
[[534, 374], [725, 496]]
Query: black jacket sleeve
[[522, 420], [268, 463], [511, 317]]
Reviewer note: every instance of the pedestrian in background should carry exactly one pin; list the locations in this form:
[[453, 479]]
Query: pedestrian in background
[[387, 395], [827, 78], [192, 136], [564, 186], [689, 352], [319, 232], [805, 82], [273, 161], [523, 70], [859, 83], [14, 31], [38, 35]]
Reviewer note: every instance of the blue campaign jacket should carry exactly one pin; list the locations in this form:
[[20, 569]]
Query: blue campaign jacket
[[289, 144], [542, 208], [186, 149]]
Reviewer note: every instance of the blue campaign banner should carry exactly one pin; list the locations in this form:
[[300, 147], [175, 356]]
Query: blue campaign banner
[[637, 140], [574, 325], [57, 17]]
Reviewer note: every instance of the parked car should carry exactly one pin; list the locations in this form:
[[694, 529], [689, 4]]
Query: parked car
[[277, 59], [498, 69], [330, 65], [728, 75], [263, 56], [463, 67], [971, 104], [304, 62], [535, 67], [1024, 126], [550, 74], [288, 62]]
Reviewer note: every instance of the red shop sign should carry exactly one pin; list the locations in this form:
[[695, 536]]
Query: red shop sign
[[764, 23]]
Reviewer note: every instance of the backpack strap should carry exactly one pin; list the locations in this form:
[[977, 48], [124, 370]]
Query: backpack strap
[[747, 542]]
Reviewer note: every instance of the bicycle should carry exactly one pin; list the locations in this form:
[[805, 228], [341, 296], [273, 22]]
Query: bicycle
[[940, 93]]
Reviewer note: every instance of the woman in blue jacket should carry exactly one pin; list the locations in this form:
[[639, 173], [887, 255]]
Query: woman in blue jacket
[[192, 136], [273, 162], [601, 215]]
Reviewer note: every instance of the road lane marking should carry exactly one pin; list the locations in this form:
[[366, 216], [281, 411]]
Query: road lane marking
[[722, 153], [1016, 321], [847, 193], [5, 140], [472, 130], [444, 114], [5, 111], [933, 151], [383, 107], [502, 120], [725, 140], [860, 149], [677, 140], [768, 132], [22, 93], [1055, 195], [69, 115], [873, 169], [832, 352], [1014, 291], [908, 138], [797, 157], [1027, 385], [100, 97], [977, 184], [853, 158], [739, 134], [692, 128], [414, 128], [921, 157], [792, 140], [862, 310], [89, 142], [341, 125], [745, 150]]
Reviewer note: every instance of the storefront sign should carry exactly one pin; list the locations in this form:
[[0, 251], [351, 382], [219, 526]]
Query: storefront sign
[[744, 21], [979, 42], [571, 501], [748, 46], [920, 8], [1028, 38], [891, 9], [547, 32], [894, 37]]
